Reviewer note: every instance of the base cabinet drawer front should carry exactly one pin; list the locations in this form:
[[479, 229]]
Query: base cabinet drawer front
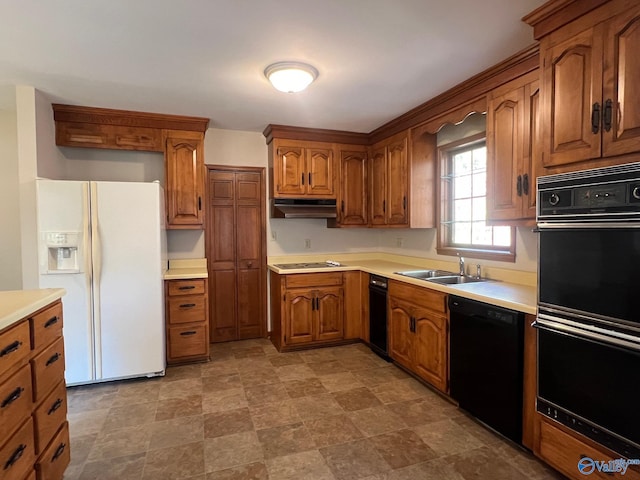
[[48, 369], [17, 454], [189, 341], [305, 280], [15, 399], [423, 296], [46, 326], [186, 287], [568, 454], [50, 416], [15, 345], [187, 309], [56, 457]]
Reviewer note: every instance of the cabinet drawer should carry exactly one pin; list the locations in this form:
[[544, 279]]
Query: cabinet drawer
[[17, 454], [313, 279], [422, 296], [55, 458], [186, 287], [187, 309], [46, 326], [15, 399], [563, 452], [50, 415], [187, 341], [15, 345], [48, 369]]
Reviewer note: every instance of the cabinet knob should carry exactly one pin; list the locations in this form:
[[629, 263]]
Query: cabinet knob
[[249, 264]]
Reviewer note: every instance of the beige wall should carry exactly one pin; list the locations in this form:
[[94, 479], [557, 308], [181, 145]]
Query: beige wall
[[10, 262]]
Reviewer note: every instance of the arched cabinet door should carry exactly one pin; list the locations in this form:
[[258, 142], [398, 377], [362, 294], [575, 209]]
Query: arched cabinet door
[[330, 308], [184, 163], [299, 305]]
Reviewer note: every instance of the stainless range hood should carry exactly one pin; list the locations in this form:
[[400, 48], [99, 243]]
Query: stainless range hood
[[302, 208]]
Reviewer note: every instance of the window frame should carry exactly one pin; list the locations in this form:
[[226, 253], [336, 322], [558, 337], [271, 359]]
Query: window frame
[[443, 212]]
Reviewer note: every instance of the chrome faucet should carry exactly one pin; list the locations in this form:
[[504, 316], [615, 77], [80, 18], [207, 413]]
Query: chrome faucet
[[478, 274], [461, 263]]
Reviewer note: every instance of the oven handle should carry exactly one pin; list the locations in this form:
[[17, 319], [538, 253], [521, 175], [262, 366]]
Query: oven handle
[[592, 225], [555, 327]]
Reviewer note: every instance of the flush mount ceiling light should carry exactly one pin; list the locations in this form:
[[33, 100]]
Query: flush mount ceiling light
[[290, 77]]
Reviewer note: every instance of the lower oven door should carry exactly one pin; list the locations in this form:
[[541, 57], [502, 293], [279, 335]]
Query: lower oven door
[[590, 384]]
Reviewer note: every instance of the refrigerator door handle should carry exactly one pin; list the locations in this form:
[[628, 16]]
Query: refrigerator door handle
[[88, 268], [97, 261]]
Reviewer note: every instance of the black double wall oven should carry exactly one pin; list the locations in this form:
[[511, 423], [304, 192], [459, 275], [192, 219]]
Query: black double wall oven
[[589, 304]]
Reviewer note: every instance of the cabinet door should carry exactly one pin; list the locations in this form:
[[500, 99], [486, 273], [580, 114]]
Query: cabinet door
[[572, 73], [378, 186], [320, 172], [532, 161], [430, 348], [299, 312], [398, 183], [505, 125], [289, 171], [621, 134], [400, 335], [184, 182], [353, 192], [330, 314]]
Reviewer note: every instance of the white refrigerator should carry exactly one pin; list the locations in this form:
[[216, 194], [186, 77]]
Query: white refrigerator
[[105, 243]]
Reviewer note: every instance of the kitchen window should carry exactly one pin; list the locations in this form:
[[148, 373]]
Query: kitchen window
[[463, 210]]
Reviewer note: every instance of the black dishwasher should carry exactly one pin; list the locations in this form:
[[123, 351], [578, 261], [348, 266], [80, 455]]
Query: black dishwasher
[[378, 316], [486, 363]]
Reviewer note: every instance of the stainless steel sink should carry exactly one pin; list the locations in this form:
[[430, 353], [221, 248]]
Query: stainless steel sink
[[454, 279], [425, 274]]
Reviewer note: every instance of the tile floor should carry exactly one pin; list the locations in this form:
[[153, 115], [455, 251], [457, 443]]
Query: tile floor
[[337, 413]]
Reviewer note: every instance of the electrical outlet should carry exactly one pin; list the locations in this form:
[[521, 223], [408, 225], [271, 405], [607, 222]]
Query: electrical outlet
[[307, 243], [399, 242]]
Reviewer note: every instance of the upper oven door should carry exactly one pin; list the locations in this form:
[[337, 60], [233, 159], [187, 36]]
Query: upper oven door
[[593, 271]]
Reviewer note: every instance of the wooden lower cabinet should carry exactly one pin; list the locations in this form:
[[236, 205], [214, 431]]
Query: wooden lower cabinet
[[187, 320], [418, 332], [564, 450], [34, 435], [315, 309]]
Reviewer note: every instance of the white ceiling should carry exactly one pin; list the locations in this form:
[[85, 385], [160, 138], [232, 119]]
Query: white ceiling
[[376, 58]]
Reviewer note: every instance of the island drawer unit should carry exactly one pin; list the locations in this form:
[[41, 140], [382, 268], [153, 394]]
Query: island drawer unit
[[187, 320], [33, 398]]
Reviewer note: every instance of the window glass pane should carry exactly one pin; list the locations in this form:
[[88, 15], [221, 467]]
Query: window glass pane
[[462, 163], [479, 184], [502, 236], [462, 186], [480, 234], [479, 205], [480, 158], [462, 233], [462, 210]]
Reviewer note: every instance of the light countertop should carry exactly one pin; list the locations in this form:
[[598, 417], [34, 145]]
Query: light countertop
[[522, 298], [184, 269], [18, 304]]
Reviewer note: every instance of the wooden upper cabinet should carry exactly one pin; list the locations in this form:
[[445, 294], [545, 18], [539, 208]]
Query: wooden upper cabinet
[[621, 93], [389, 182], [184, 162], [352, 195], [590, 108], [513, 151], [302, 169], [572, 76]]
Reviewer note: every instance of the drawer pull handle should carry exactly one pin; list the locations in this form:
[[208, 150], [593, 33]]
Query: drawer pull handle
[[13, 396], [187, 287], [51, 321], [59, 451], [12, 347], [187, 305], [15, 456], [56, 405], [52, 359], [190, 332]]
